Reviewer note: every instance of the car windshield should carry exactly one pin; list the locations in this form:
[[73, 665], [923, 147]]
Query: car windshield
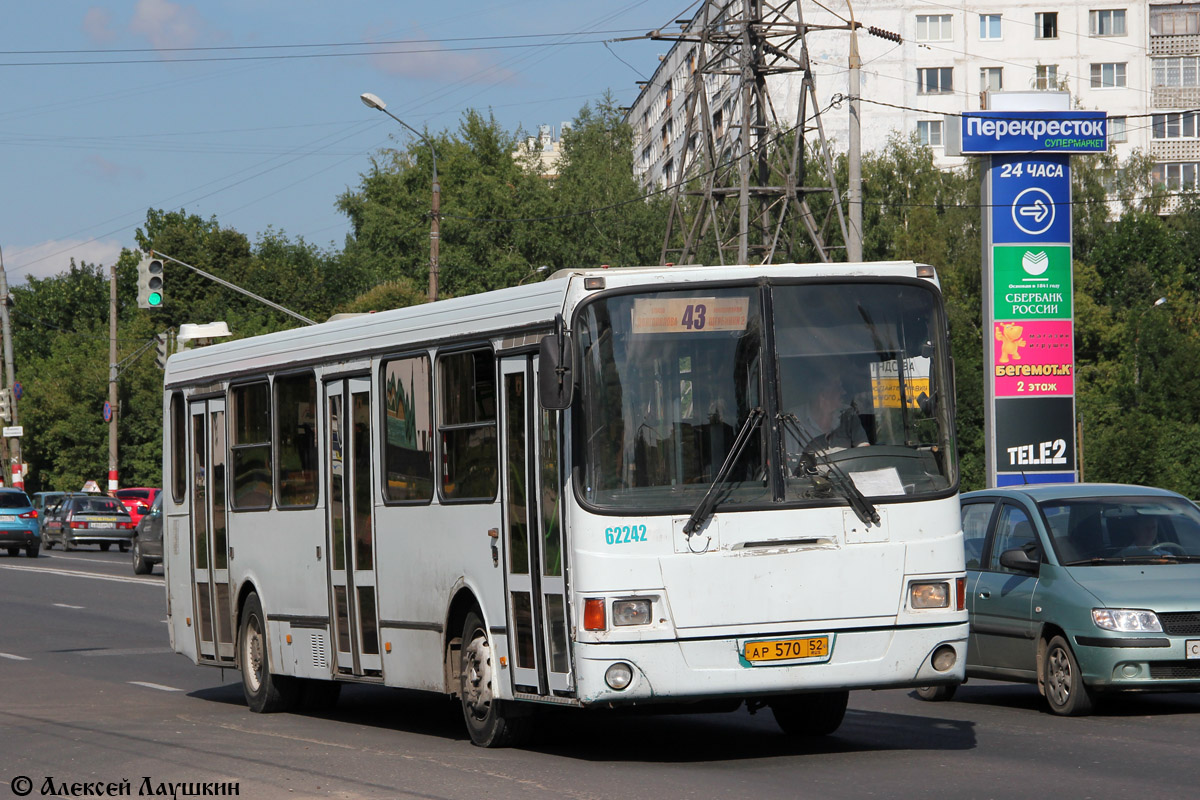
[[98, 505], [13, 500], [133, 494], [1115, 530]]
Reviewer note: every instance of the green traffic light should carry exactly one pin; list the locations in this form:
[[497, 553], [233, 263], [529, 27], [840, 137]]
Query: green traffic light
[[154, 299]]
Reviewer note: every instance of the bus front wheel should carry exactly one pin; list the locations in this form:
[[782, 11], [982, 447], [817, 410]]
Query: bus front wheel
[[265, 693], [489, 721], [816, 714]]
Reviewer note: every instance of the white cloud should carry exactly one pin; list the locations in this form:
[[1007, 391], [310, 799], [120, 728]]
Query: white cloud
[[97, 25], [47, 259], [436, 64], [166, 24], [109, 171]]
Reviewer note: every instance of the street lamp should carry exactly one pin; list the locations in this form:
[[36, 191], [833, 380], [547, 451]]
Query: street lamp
[[373, 101], [1137, 336]]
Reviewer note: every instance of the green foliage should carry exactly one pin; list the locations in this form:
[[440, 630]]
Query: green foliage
[[1137, 389]]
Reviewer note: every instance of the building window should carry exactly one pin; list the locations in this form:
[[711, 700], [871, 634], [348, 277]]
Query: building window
[[1107, 22], [251, 445], [1116, 130], [1174, 20], [934, 28], [296, 433], [669, 171], [467, 426], [935, 80], [1045, 25], [1108, 76], [408, 432], [1046, 77], [1177, 177], [1179, 125], [1176, 72], [991, 79], [929, 132], [989, 26]]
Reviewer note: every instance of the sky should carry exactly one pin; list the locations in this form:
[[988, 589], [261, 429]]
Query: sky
[[248, 110]]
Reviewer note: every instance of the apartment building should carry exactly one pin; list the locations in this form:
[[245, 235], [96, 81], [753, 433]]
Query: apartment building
[[1137, 61]]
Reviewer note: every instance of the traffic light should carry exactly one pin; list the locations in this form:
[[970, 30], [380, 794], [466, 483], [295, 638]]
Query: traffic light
[[150, 283], [160, 355], [6, 404]]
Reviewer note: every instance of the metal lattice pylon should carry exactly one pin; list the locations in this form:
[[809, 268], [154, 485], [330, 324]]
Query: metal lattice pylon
[[740, 179]]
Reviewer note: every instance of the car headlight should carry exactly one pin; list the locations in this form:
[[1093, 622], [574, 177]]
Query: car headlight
[[1127, 620], [929, 595], [631, 612]]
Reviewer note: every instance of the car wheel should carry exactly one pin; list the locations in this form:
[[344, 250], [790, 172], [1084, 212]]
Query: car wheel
[[104, 546], [67, 543], [12, 551], [488, 719], [1063, 681], [936, 693], [265, 693], [33, 550], [816, 714], [140, 565]]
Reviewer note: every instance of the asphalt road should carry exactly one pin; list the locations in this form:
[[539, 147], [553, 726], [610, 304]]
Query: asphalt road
[[92, 695]]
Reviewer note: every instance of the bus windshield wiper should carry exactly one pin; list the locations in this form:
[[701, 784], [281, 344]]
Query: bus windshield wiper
[[837, 477], [709, 501]]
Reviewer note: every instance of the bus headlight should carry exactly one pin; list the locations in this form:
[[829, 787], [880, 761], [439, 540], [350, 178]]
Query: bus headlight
[[618, 676], [1126, 620], [631, 612], [929, 595]]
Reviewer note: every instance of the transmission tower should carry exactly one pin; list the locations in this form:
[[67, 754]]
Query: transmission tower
[[741, 178]]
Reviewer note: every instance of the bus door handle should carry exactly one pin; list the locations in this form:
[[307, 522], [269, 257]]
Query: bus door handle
[[494, 534], [985, 594]]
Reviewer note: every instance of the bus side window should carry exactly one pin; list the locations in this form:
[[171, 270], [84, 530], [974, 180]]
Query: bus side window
[[408, 440], [251, 445], [178, 475], [467, 426]]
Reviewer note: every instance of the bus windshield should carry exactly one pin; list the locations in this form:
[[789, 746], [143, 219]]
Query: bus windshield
[[853, 382]]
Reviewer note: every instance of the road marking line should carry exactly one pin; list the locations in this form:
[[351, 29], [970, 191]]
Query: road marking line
[[158, 686], [14, 658], [65, 605], [76, 573]]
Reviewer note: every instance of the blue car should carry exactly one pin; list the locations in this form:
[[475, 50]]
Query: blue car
[[19, 529], [1082, 590]]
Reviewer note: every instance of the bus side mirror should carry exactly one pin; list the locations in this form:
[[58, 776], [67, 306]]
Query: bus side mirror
[[556, 374]]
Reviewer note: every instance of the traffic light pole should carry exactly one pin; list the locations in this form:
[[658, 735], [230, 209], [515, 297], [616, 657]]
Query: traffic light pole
[[14, 445], [112, 378]]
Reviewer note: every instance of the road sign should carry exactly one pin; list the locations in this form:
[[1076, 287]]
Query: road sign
[[107, 411], [1031, 199], [18, 390], [12, 431]]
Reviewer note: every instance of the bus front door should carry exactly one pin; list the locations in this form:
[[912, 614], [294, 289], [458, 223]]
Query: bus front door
[[210, 547], [349, 528], [535, 568]]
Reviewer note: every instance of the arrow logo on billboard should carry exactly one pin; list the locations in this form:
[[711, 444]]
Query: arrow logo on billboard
[[1038, 211]]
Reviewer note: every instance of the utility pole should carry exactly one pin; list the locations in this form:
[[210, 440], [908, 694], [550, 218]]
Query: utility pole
[[14, 444], [854, 151], [112, 378], [741, 166]]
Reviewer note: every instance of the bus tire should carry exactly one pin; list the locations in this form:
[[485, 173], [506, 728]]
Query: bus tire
[[265, 693], [815, 714], [488, 720], [937, 693]]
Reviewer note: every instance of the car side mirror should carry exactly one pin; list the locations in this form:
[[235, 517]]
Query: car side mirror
[[1022, 560]]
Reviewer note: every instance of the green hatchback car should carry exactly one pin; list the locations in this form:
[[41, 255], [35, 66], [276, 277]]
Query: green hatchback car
[[1082, 589]]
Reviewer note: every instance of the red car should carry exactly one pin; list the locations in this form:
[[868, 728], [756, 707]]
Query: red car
[[138, 500]]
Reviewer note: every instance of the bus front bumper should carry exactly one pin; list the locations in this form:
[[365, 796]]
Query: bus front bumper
[[687, 670]]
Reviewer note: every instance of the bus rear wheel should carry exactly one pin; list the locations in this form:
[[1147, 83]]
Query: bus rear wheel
[[489, 722], [265, 693], [816, 714]]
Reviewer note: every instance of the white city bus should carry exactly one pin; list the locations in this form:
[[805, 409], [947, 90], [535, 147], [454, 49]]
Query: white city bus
[[604, 489]]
